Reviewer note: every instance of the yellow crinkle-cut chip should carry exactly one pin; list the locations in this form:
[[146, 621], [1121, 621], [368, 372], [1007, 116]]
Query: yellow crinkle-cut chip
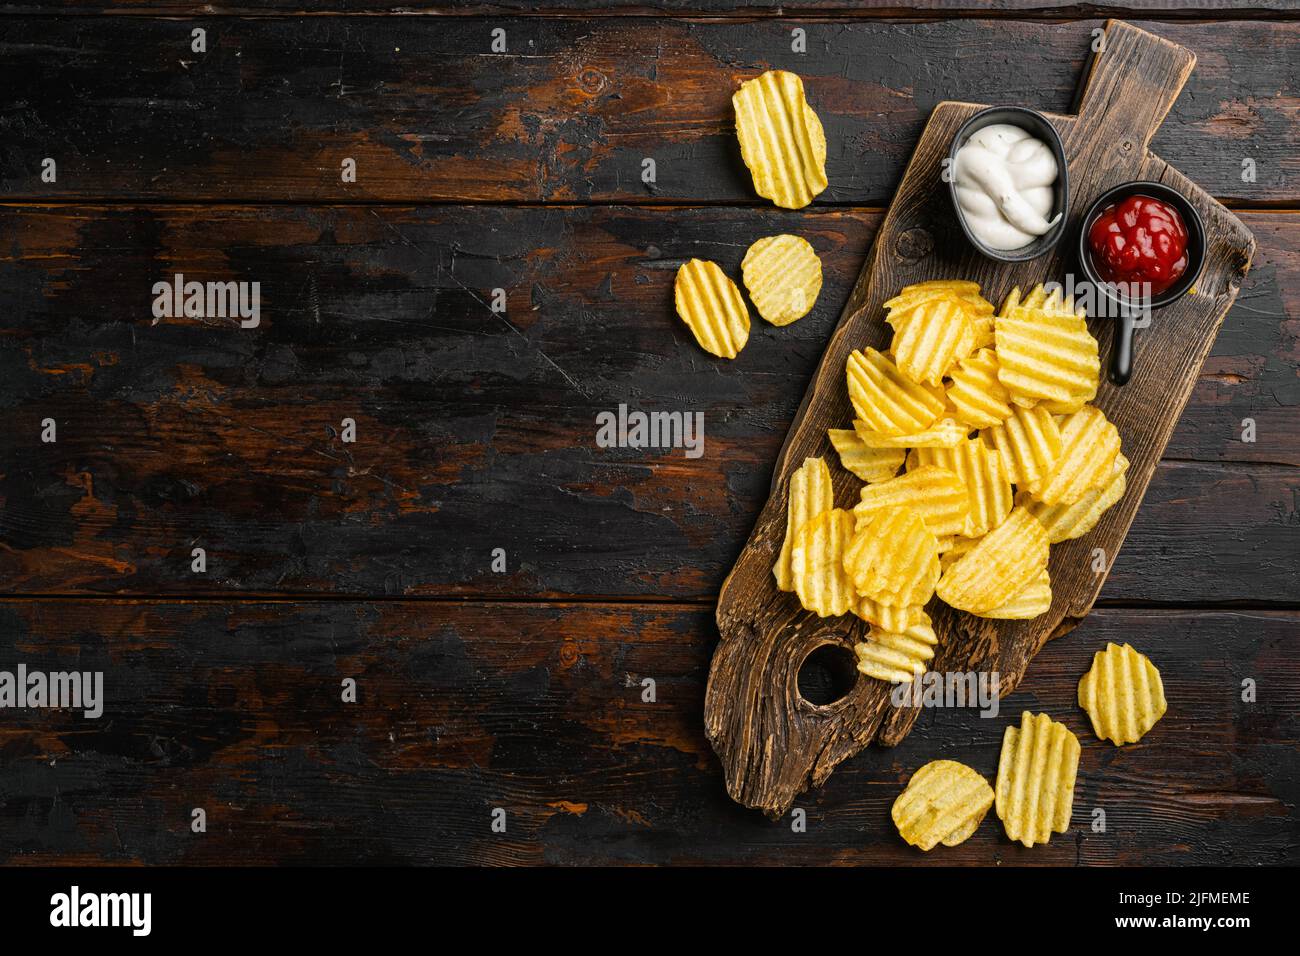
[[1122, 693], [944, 802], [869, 464], [1089, 446], [918, 292], [894, 558], [810, 495], [936, 494], [712, 308], [936, 336], [1064, 522], [897, 656], [781, 139], [1046, 356], [1028, 441], [817, 564], [958, 545], [1035, 599], [884, 400], [980, 470], [889, 617], [783, 276], [998, 567], [942, 434], [1035, 785], [979, 399]]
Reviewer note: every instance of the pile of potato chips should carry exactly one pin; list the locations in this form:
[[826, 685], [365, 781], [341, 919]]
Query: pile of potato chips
[[988, 416]]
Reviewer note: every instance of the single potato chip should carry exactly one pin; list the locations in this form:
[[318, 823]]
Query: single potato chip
[[781, 139], [1028, 441], [1035, 599], [1046, 356], [783, 276], [869, 464], [1035, 785], [1089, 446], [1122, 694], [936, 494], [942, 434], [944, 802], [810, 494], [885, 401], [712, 308], [936, 336], [893, 558], [897, 657], [979, 399], [980, 470], [817, 564], [998, 567], [1064, 522], [888, 617]]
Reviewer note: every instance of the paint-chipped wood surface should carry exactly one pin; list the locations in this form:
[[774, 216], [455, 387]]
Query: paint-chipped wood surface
[[526, 689]]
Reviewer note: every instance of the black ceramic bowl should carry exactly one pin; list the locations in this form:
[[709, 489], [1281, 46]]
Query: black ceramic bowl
[[1037, 125], [1118, 306]]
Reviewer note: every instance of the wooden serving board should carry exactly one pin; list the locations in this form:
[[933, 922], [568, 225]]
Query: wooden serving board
[[773, 744]]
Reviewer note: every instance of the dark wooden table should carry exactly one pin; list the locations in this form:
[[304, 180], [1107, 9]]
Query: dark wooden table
[[372, 560]]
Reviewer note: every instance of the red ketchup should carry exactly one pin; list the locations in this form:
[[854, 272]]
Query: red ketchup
[[1139, 239]]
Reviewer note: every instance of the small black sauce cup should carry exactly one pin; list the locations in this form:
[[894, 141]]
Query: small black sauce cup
[[1124, 310]]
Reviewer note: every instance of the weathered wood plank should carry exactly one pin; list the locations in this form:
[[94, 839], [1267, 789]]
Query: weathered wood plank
[[538, 709], [477, 431], [274, 106]]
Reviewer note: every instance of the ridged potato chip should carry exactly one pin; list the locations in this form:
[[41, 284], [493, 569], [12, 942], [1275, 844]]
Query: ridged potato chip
[[1035, 785], [979, 399], [896, 656], [884, 400], [957, 546], [942, 434], [1028, 441], [1064, 522], [810, 494], [1089, 446], [1035, 599], [980, 470], [781, 139], [936, 494], [1046, 356], [817, 564], [893, 558], [869, 464], [889, 617], [1122, 693], [936, 336], [998, 567], [944, 802], [783, 276], [712, 308]]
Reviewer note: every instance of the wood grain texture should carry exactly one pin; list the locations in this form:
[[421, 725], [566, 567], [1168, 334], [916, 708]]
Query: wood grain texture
[[462, 708], [477, 431], [772, 742], [273, 107]]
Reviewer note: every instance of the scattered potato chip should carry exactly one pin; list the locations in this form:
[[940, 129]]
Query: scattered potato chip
[[980, 470], [942, 434], [975, 393], [810, 494], [1064, 522], [1035, 785], [1046, 356], [783, 276], [817, 564], [1028, 442], [1035, 599], [1122, 694], [897, 656], [938, 335], [998, 567], [869, 464], [936, 494], [1089, 446], [712, 308], [893, 558], [888, 617], [944, 802], [885, 401], [781, 139]]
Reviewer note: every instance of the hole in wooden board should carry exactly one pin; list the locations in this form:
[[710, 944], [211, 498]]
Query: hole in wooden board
[[827, 675]]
